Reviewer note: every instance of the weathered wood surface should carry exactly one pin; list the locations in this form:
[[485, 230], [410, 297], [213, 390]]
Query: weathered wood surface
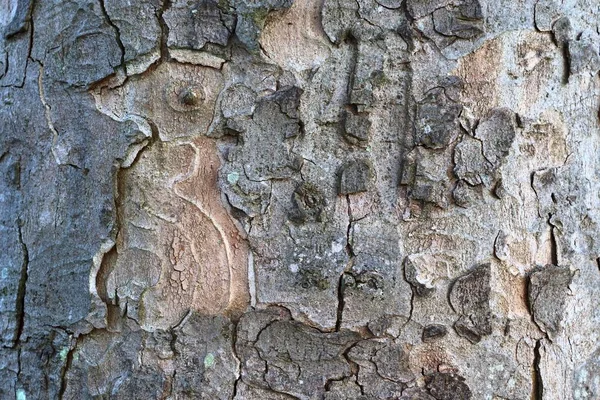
[[309, 199]]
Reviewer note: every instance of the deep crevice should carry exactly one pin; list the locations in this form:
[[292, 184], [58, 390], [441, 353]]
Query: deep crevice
[[235, 354], [553, 242], [349, 248], [566, 63], [117, 34], [348, 268], [532, 184], [164, 28], [20, 303], [341, 302], [537, 390], [412, 295]]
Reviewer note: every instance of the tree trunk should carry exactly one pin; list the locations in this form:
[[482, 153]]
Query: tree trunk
[[278, 199]]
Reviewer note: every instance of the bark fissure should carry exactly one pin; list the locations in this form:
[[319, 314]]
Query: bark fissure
[[553, 242], [164, 49], [238, 371], [117, 33], [347, 269], [537, 391], [340, 304], [22, 289]]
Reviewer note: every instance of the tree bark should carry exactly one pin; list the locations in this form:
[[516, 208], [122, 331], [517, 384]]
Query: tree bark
[[309, 199]]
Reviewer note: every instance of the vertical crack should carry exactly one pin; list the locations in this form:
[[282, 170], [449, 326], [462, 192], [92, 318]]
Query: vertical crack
[[566, 57], [235, 354], [532, 184], [553, 242], [341, 303], [412, 295], [412, 306], [537, 390], [20, 303], [117, 33], [349, 248], [164, 28], [341, 281]]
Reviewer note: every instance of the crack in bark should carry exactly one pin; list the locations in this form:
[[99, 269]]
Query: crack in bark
[[537, 390], [47, 114], [266, 371], [347, 269], [164, 29], [341, 302], [354, 367], [20, 301], [531, 183], [235, 355], [412, 296], [65, 369], [117, 34], [553, 241], [349, 248]]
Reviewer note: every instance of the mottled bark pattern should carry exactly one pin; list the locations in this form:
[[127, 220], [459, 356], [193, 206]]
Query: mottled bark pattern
[[299, 199]]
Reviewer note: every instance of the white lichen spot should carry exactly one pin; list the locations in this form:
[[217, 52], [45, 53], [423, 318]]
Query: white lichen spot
[[293, 268]]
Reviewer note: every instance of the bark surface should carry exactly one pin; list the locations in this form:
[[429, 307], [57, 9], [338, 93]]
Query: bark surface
[[300, 199]]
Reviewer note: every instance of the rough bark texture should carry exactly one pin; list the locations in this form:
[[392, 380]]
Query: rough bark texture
[[309, 199]]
